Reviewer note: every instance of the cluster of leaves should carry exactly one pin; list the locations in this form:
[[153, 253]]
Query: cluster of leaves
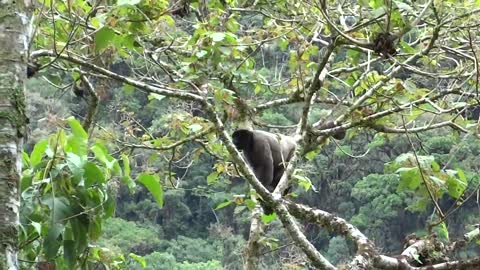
[[424, 176], [68, 190]]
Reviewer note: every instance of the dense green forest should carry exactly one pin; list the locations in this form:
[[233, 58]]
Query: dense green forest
[[130, 105]]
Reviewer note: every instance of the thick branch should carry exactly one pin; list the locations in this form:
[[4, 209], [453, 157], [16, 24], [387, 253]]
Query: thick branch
[[160, 90]]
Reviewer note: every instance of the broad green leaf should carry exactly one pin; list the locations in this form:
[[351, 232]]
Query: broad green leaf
[[109, 206], [51, 242], [141, 260], [406, 47], [77, 129], [76, 146], [343, 150], [461, 175], [268, 218], [103, 38], [212, 177], [195, 127], [201, 54], [95, 228], [79, 227], [128, 2], [69, 253], [456, 187], [152, 183], [472, 234], [37, 153], [26, 182], [127, 88], [217, 36], [75, 164], [410, 178], [155, 96], [435, 167], [232, 25], [25, 159], [250, 204], [223, 204], [92, 175], [59, 208], [126, 165], [303, 181], [101, 153], [37, 226], [442, 231], [128, 181]]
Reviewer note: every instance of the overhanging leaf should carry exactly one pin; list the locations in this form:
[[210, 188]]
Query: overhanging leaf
[[152, 183], [104, 37], [223, 204], [93, 175], [38, 151]]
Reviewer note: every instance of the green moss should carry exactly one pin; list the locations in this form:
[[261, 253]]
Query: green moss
[[18, 118]]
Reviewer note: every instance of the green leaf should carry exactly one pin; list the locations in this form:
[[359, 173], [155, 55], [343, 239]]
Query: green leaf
[[25, 159], [59, 208], [155, 96], [77, 142], [201, 54], [126, 165], [195, 127], [141, 260], [128, 181], [92, 174], [101, 154], [95, 228], [268, 218], [410, 178], [303, 181], [51, 242], [79, 227], [152, 183], [38, 151], [77, 129], [217, 36], [128, 2], [69, 254], [75, 164], [250, 204], [109, 206], [461, 175], [104, 37], [442, 231], [212, 177], [456, 187], [76, 146], [26, 182], [127, 88], [223, 204], [37, 226]]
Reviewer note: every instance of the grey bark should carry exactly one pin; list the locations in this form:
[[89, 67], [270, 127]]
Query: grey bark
[[14, 40]]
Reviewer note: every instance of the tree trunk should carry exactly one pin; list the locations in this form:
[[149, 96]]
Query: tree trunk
[[14, 39]]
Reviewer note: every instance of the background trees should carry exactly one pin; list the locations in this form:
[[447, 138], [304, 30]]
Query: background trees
[[157, 86]]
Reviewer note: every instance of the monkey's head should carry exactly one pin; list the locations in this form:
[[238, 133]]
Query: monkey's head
[[242, 138]]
